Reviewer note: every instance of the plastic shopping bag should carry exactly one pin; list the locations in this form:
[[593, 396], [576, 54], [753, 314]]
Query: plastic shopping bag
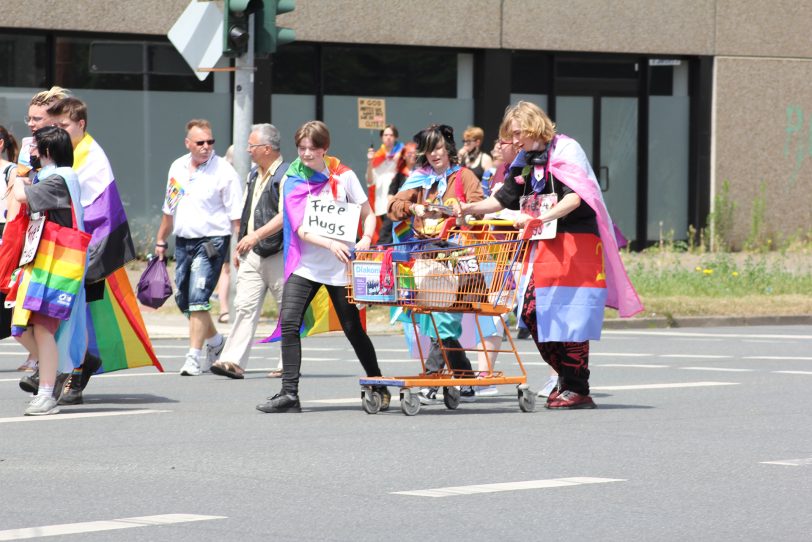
[[154, 287]]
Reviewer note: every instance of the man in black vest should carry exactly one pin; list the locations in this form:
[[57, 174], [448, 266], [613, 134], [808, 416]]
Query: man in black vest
[[261, 267]]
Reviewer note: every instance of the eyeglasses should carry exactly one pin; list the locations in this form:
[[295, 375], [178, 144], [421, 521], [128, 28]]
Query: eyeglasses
[[208, 142], [33, 119], [252, 145]]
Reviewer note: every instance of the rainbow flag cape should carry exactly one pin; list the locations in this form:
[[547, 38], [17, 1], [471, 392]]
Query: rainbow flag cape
[[299, 182], [116, 330], [70, 336]]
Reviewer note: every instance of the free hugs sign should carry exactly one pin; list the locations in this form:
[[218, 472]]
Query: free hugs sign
[[333, 219]]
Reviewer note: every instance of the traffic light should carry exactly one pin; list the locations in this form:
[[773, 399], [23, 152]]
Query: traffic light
[[268, 35], [235, 25]]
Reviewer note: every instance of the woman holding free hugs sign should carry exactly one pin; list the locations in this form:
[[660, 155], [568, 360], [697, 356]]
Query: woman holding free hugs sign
[[316, 254]]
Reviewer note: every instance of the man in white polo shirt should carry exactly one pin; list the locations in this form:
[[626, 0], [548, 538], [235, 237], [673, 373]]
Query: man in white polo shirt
[[202, 207]]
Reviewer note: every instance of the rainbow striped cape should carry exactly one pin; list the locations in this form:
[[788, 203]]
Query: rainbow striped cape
[[299, 182], [116, 330]]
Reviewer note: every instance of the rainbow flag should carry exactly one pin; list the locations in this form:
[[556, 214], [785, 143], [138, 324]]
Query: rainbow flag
[[319, 317], [57, 272], [116, 330], [300, 182]]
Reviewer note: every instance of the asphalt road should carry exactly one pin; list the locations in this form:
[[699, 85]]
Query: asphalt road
[[700, 434]]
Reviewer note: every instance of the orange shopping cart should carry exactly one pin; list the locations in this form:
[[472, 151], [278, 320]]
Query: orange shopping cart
[[469, 269]]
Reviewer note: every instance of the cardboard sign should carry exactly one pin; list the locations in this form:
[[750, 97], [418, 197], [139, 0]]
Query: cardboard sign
[[371, 113], [32, 237], [366, 282], [536, 204], [333, 219]]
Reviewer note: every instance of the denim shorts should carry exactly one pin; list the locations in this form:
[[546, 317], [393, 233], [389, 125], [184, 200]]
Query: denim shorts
[[196, 273]]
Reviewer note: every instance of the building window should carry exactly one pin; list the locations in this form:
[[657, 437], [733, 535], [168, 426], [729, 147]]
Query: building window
[[23, 60], [123, 65]]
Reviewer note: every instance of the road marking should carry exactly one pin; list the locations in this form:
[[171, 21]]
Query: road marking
[[321, 359], [694, 356], [723, 369], [104, 525], [80, 415], [635, 366], [508, 486], [620, 355], [790, 462], [698, 334], [792, 372], [781, 358], [664, 386]]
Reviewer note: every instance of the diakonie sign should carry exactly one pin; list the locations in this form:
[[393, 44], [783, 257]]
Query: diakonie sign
[[333, 219]]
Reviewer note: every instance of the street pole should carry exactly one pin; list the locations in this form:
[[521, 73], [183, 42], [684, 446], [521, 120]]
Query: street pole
[[243, 105]]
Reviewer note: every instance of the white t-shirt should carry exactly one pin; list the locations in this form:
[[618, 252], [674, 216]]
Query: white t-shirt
[[382, 179], [317, 263], [205, 202]]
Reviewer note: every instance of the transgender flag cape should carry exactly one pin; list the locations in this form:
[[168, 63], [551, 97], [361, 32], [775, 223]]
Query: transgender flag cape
[[570, 165], [611, 287], [300, 181], [116, 331]]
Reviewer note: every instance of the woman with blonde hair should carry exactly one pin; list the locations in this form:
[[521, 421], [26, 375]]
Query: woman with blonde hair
[[575, 270]]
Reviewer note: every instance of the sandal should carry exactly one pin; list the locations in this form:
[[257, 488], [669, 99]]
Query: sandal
[[276, 373], [223, 318], [229, 369]]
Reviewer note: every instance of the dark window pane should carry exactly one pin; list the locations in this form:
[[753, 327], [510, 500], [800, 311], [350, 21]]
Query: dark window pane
[[116, 57], [390, 71], [294, 69], [596, 69], [530, 73], [23, 60], [120, 65], [661, 80]]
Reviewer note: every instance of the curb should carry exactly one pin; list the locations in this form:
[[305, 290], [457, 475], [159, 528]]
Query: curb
[[166, 329]]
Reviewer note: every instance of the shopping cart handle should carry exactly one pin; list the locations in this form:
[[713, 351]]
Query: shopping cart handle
[[488, 222], [530, 228]]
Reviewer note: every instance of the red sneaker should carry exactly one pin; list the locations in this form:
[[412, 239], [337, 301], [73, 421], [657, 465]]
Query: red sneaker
[[569, 400]]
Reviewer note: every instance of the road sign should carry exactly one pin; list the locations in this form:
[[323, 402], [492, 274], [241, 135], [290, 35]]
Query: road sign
[[197, 35]]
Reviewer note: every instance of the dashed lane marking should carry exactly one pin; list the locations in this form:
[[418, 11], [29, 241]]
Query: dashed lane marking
[[66, 416], [663, 386], [780, 358], [790, 462], [456, 491], [792, 372], [700, 334], [104, 525], [722, 369], [694, 356]]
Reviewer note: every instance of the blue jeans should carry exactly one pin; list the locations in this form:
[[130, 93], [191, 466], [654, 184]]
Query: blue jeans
[[197, 273]]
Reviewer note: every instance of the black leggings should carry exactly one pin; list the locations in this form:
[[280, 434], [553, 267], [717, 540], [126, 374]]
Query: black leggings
[[296, 297]]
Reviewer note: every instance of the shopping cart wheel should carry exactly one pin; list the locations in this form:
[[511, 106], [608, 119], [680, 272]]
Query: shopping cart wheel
[[371, 401], [451, 397], [527, 399], [409, 402]]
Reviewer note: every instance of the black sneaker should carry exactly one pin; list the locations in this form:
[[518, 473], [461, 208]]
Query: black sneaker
[[70, 395], [467, 394], [524, 333], [281, 402], [30, 383]]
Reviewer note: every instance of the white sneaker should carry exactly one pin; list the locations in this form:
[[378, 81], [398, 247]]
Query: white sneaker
[[28, 365], [212, 355], [42, 406], [548, 388], [486, 391], [190, 367]]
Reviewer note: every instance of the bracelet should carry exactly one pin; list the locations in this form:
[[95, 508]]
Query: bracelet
[[161, 245], [367, 235]]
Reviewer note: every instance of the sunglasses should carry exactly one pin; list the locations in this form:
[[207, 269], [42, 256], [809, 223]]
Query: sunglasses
[[208, 142]]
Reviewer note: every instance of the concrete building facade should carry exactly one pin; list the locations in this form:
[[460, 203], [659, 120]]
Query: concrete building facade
[[672, 100]]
